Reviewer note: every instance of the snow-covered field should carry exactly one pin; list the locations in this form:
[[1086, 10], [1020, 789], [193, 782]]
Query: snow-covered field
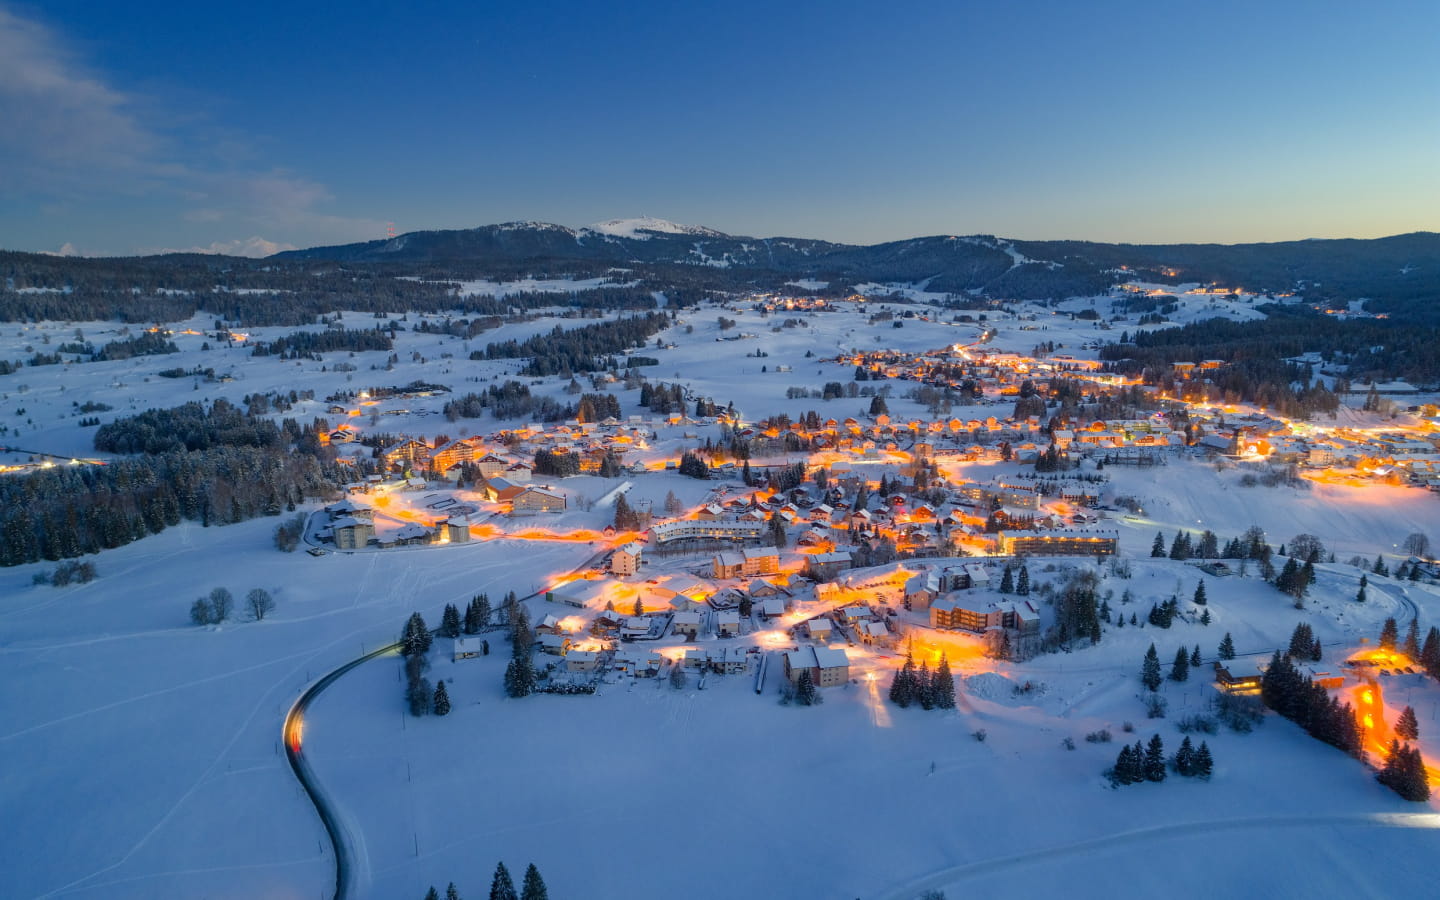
[[140, 755]]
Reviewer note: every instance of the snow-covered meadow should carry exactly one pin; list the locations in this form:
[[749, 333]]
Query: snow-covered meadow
[[141, 754]]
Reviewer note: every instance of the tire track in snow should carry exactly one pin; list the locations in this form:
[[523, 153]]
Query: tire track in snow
[[947, 877]]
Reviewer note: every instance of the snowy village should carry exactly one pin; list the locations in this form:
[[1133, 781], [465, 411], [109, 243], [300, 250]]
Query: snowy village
[[973, 451]]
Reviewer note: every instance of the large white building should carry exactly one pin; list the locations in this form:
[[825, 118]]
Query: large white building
[[717, 530]]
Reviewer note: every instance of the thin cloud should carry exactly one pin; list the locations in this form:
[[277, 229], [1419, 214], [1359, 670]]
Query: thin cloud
[[70, 136]]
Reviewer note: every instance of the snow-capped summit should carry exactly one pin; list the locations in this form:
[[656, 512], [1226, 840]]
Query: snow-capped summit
[[641, 228]]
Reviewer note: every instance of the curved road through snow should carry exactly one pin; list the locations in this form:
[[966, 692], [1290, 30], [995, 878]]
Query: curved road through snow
[[292, 733]]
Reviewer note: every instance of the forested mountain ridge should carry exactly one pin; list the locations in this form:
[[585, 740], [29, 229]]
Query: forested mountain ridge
[[1399, 275]]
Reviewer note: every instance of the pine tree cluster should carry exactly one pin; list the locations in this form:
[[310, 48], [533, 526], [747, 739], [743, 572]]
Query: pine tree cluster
[[1404, 772], [920, 686], [502, 886], [477, 614], [1300, 700]]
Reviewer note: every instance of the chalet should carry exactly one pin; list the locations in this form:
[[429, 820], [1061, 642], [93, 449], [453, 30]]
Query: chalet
[[819, 629], [727, 623], [349, 509], [729, 660], [688, 590], [827, 666], [696, 658], [408, 535], [582, 661], [875, 633], [772, 607], [1238, 676], [500, 490], [532, 500], [492, 465], [554, 644], [686, 623], [626, 559], [639, 663], [467, 648], [635, 627]]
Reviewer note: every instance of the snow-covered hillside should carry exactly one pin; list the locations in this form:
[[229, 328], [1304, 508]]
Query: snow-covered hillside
[[642, 228]]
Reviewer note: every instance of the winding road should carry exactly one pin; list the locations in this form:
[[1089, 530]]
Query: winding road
[[293, 732]]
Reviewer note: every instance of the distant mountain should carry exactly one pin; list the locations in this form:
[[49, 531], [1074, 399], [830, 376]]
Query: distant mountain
[[1398, 271]]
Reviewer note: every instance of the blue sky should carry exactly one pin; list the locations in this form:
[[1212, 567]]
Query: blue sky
[[132, 127]]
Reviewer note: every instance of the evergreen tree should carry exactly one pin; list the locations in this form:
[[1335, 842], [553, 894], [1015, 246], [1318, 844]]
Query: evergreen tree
[[1195, 659], [777, 532], [1154, 764], [1411, 648], [1180, 547], [417, 696], [432, 894], [924, 686], [441, 703], [1180, 669], [1022, 584], [805, 688], [452, 892], [1315, 652], [450, 621], [1150, 670], [415, 639], [1007, 581], [1430, 653], [519, 677], [1200, 593], [1227, 647], [1404, 773], [1407, 727], [1127, 767], [1290, 580], [1205, 617], [1157, 549], [1389, 633], [1379, 568], [1301, 640], [533, 887], [944, 689], [501, 886], [1360, 594], [1203, 765], [1183, 762], [902, 689]]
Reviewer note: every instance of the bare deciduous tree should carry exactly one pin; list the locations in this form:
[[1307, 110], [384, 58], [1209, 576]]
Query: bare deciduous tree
[[260, 602]]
